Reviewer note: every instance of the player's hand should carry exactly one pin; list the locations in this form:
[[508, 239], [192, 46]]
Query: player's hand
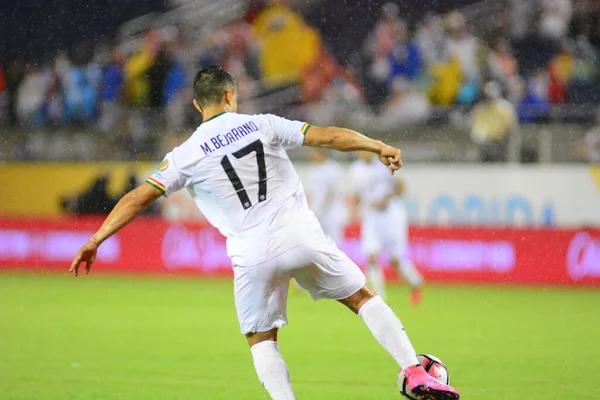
[[86, 254], [391, 158]]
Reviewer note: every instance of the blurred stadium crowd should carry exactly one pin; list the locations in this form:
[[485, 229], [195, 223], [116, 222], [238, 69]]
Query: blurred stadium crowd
[[133, 96]]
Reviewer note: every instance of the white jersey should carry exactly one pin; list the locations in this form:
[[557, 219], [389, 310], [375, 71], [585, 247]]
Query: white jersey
[[371, 182], [326, 197], [382, 229], [238, 172], [325, 193]]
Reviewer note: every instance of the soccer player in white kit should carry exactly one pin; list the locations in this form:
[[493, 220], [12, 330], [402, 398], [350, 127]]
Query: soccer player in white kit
[[384, 223], [236, 168], [326, 195]]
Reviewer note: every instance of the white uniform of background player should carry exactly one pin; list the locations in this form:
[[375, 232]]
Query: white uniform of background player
[[237, 170], [384, 223], [326, 195]]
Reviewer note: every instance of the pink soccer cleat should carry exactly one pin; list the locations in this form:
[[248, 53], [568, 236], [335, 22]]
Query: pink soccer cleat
[[424, 386]]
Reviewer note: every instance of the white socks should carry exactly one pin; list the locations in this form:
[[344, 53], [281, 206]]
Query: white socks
[[410, 274], [376, 278], [379, 318], [388, 330], [272, 370]]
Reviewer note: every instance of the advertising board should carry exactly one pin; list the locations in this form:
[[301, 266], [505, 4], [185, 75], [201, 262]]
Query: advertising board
[[453, 254]]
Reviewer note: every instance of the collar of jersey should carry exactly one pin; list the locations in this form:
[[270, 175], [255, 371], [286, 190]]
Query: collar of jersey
[[216, 115]]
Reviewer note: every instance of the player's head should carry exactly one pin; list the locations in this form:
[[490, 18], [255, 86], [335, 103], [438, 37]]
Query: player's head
[[365, 156], [213, 87], [317, 155]]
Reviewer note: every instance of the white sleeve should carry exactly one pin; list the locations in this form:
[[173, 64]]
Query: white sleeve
[[384, 184], [289, 133], [174, 173]]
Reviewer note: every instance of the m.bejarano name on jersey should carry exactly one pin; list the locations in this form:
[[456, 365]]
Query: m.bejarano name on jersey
[[222, 140]]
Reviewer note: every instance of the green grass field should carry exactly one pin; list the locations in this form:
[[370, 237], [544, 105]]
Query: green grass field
[[101, 337]]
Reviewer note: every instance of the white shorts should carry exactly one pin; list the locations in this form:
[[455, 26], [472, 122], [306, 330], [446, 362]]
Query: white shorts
[[385, 231], [318, 266]]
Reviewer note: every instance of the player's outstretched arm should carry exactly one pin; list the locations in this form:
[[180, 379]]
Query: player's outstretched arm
[[129, 207], [342, 139]]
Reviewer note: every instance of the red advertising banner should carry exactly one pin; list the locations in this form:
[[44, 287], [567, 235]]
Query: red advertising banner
[[151, 245]]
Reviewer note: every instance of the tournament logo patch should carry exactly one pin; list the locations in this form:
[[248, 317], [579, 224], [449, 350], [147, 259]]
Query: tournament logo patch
[[163, 165]]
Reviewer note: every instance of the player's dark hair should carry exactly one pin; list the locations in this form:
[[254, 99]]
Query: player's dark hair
[[210, 84]]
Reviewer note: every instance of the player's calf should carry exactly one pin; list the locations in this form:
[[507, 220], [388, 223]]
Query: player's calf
[[389, 332], [358, 299], [257, 337], [383, 324], [270, 365], [407, 270]]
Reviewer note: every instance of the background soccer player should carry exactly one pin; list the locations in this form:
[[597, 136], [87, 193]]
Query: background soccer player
[[326, 196], [384, 223], [236, 168]]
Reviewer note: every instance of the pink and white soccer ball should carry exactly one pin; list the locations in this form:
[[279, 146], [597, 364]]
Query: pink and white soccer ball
[[433, 366]]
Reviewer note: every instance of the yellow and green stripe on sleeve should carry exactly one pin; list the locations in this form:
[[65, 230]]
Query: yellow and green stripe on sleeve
[[305, 129], [156, 184]]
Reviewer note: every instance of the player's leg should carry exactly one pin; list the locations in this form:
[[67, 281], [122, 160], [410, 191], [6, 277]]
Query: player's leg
[[409, 273], [376, 275], [372, 244], [397, 245], [260, 301], [270, 365], [388, 330], [385, 326], [334, 276]]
